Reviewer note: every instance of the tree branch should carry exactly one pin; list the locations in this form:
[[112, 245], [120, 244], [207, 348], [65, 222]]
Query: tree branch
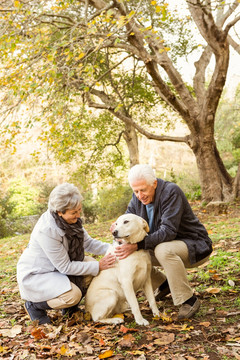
[[199, 77], [112, 109], [231, 24]]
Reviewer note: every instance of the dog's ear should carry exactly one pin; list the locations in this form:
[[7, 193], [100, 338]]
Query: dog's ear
[[145, 226]]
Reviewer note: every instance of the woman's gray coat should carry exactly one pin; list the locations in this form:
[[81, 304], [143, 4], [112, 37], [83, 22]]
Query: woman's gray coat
[[44, 265]]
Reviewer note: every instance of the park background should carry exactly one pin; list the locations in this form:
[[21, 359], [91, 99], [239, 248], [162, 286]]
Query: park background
[[42, 146]]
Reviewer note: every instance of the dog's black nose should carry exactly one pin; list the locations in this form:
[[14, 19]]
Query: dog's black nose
[[115, 233]]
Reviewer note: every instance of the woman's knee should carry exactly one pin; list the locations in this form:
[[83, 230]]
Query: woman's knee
[[75, 295]]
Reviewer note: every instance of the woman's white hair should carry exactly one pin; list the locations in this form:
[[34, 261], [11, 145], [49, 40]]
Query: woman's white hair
[[141, 172], [64, 197]]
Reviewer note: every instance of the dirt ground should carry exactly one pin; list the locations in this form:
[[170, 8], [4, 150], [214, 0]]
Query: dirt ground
[[213, 333]]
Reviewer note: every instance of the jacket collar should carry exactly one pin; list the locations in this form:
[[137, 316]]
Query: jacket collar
[[53, 224]]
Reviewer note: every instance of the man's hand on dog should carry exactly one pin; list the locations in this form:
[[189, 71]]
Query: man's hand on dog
[[124, 250], [107, 262]]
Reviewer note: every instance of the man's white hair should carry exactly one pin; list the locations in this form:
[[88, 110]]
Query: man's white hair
[[141, 172], [64, 197]]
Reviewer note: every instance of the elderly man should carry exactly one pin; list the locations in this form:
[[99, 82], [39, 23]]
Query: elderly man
[[176, 238]]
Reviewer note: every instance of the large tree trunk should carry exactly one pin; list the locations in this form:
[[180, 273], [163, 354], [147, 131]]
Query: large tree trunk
[[216, 183], [236, 185], [131, 138]]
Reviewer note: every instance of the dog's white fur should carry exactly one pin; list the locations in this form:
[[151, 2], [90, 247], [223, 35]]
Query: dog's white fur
[[113, 289]]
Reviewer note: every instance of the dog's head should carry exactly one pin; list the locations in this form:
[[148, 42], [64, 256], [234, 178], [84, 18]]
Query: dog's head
[[131, 228]]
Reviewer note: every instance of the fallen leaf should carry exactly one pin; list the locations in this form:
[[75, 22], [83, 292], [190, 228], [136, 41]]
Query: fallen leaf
[[63, 350], [106, 354], [164, 339], [138, 352], [187, 328], [183, 337], [216, 277], [101, 342], [87, 316], [213, 290], [38, 333], [205, 323], [237, 356], [15, 330], [163, 317], [212, 271], [125, 329], [127, 341], [84, 338], [53, 334], [121, 316], [4, 349]]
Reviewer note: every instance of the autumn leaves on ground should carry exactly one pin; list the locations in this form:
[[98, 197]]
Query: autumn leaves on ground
[[214, 333]]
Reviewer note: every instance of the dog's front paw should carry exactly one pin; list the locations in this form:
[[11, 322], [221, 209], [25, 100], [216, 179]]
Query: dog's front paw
[[117, 320], [156, 314], [143, 322]]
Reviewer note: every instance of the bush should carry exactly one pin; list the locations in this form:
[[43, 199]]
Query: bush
[[113, 202], [20, 207], [23, 198], [189, 185], [90, 208], [5, 210]]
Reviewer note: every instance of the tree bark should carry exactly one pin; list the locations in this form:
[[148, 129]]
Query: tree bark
[[216, 183], [236, 185], [131, 139]]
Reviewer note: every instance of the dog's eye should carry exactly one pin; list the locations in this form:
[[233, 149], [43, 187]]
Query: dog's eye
[[126, 221]]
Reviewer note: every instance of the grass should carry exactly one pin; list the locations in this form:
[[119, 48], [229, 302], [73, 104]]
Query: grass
[[213, 334]]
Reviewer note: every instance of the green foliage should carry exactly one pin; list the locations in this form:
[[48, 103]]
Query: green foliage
[[5, 211], [62, 66], [113, 202], [189, 184], [91, 140], [225, 259], [21, 205], [90, 207], [23, 198], [69, 54]]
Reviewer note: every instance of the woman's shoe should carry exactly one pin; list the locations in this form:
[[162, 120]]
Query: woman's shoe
[[37, 311], [70, 311]]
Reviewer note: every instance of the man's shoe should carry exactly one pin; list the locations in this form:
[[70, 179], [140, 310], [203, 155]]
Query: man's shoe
[[160, 294], [37, 311], [186, 311]]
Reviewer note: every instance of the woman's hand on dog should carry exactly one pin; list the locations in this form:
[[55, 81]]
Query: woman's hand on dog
[[125, 250], [107, 262]]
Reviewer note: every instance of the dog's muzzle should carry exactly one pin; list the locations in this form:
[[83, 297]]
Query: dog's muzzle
[[116, 235]]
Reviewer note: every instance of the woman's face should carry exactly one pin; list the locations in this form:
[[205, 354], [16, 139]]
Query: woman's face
[[71, 216]]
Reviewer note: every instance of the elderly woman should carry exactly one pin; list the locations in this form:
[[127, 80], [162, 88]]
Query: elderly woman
[[53, 271]]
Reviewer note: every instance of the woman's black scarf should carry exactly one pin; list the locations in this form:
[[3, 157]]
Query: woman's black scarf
[[75, 236]]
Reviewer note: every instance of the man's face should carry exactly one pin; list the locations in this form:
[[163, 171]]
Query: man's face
[[143, 191]]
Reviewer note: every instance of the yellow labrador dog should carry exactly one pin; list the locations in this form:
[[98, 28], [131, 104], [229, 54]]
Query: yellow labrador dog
[[113, 290]]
